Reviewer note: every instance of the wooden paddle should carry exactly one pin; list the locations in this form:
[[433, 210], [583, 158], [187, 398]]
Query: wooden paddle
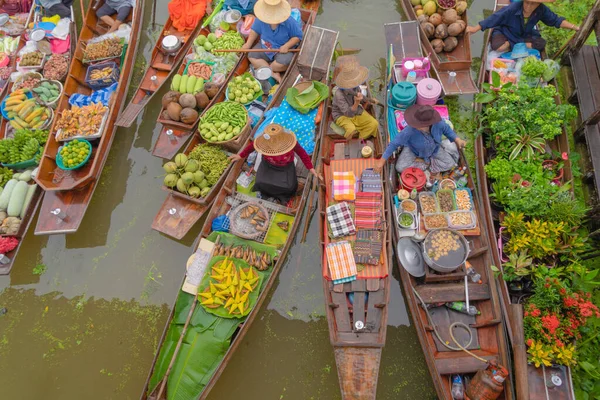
[[254, 51], [313, 188]]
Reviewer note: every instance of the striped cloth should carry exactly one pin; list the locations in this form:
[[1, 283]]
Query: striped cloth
[[340, 260], [367, 210], [344, 186]]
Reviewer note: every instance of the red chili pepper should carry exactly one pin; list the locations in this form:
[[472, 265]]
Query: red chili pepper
[[8, 244]]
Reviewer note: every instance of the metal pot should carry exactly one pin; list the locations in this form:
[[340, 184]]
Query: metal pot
[[171, 44], [446, 264]]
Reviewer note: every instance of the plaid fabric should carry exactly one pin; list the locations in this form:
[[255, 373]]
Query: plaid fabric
[[340, 220], [344, 280], [371, 181], [344, 186], [340, 261]]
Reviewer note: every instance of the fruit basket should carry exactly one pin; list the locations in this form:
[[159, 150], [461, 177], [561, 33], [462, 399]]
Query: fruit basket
[[243, 83], [108, 74], [80, 148], [3, 106], [47, 92], [249, 220]]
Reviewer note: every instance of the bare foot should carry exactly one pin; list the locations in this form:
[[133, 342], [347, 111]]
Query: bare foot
[[276, 76]]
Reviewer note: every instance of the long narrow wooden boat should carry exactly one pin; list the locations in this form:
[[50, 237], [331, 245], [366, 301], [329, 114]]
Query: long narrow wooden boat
[[39, 193], [180, 212], [357, 311], [458, 61], [228, 198], [161, 67], [487, 331], [174, 135], [71, 193], [530, 381]]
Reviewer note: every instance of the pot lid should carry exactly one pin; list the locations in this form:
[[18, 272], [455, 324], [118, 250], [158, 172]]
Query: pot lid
[[170, 41], [263, 73], [409, 256], [404, 91], [429, 88], [232, 16], [413, 177], [38, 34]]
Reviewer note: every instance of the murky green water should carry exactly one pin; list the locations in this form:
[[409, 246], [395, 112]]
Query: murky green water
[[89, 325]]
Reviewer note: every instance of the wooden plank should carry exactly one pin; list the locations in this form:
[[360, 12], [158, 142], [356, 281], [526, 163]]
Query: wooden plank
[[358, 309], [168, 146], [592, 136], [374, 313], [460, 364], [178, 224], [359, 285], [404, 38], [339, 150], [372, 285], [317, 51], [341, 312], [73, 202], [585, 30], [442, 318], [358, 370], [365, 339], [339, 288], [581, 81], [448, 292]]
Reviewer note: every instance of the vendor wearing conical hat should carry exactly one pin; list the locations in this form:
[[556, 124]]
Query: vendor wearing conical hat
[[276, 174], [516, 23], [348, 101], [276, 29]]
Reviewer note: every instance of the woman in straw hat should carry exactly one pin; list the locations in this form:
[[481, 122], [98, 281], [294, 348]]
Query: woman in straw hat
[[423, 146], [276, 174], [277, 29], [347, 107], [516, 23]]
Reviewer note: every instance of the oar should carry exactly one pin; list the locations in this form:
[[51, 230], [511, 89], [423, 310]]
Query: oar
[[310, 206], [254, 51]]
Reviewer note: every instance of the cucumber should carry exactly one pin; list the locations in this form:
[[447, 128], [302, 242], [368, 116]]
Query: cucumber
[[17, 198], [183, 84], [199, 85], [5, 196], [25, 176], [28, 197], [176, 81], [191, 84], [16, 175]]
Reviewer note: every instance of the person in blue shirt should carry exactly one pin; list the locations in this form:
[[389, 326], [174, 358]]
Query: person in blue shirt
[[277, 29], [422, 143], [516, 23]]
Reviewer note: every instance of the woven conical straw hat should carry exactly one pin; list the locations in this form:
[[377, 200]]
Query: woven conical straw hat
[[350, 74], [272, 11], [275, 141]]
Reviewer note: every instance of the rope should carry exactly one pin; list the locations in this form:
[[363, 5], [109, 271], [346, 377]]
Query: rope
[[461, 324]]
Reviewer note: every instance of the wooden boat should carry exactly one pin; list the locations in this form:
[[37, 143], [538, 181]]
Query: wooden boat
[[68, 194], [530, 381], [174, 135], [227, 199], [161, 67], [487, 330], [357, 328], [39, 193], [445, 64], [179, 212], [13, 58]]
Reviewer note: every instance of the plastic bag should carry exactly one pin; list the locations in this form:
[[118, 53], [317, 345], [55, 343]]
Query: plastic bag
[[552, 68], [124, 32], [216, 21], [29, 47], [98, 96], [61, 31]]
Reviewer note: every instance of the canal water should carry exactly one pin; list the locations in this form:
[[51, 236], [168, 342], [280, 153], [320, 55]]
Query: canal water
[[85, 311]]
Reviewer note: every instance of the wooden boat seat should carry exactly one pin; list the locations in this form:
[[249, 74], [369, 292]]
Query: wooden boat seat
[[448, 292], [464, 364], [162, 66], [586, 71]]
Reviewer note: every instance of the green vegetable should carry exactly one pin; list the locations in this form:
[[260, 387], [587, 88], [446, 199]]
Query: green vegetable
[[212, 161], [25, 176], [191, 84], [17, 198], [228, 40], [199, 85], [183, 84], [23, 147], [406, 219], [176, 82], [28, 197], [5, 196]]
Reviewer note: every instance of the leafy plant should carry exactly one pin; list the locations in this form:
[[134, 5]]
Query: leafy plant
[[533, 68], [490, 91], [528, 143], [517, 266]]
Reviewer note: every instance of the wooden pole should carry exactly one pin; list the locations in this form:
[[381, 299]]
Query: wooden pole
[[83, 12], [309, 210], [515, 314], [154, 14]]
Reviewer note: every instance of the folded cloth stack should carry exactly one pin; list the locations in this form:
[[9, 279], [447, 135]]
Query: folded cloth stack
[[340, 220], [344, 186], [367, 211], [340, 260], [367, 248], [370, 181]]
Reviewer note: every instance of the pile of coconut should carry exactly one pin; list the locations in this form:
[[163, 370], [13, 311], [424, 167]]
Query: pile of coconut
[[186, 108], [442, 24]]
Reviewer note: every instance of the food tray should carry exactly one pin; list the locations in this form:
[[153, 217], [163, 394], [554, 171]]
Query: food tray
[[472, 225], [31, 68], [242, 226], [96, 84], [89, 137], [447, 181], [411, 226], [20, 78], [59, 160], [427, 227], [448, 193], [428, 194], [23, 164], [3, 104], [86, 61], [209, 63], [402, 209], [466, 189]]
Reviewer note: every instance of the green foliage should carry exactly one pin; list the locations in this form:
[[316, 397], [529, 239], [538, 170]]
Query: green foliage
[[39, 269], [575, 12], [23, 146], [533, 68]]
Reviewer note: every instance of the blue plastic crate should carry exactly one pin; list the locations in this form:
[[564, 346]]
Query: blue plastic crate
[[96, 84]]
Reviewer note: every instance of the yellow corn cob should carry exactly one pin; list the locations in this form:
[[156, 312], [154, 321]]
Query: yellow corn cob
[[15, 124], [37, 112], [25, 111], [21, 122]]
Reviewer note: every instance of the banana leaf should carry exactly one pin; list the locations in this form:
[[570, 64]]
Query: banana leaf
[[292, 98]]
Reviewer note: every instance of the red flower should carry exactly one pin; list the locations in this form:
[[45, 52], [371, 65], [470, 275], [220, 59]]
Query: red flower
[[536, 313], [551, 323], [563, 291], [529, 342], [565, 156], [559, 343], [547, 285]]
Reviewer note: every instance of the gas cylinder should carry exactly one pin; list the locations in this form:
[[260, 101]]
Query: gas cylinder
[[487, 384]]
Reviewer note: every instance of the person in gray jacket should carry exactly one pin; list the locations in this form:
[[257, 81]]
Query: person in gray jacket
[[62, 8], [120, 7]]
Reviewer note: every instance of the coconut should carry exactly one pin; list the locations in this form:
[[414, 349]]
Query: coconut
[[429, 29], [461, 7], [430, 8], [180, 160], [422, 18], [450, 16], [461, 23], [170, 167], [198, 176], [450, 44], [188, 115], [182, 187], [455, 29], [435, 19], [441, 32], [202, 100], [211, 89], [192, 166], [170, 97], [174, 110], [187, 101], [170, 180], [165, 115], [194, 191], [187, 178], [438, 45]]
